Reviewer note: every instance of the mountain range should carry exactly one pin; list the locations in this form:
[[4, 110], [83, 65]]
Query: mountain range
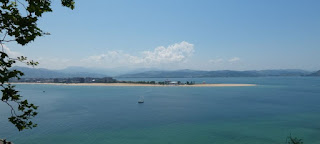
[[220, 73], [317, 73], [46, 73], [147, 73]]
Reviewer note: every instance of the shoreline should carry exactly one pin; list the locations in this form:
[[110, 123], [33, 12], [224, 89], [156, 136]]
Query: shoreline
[[141, 85]]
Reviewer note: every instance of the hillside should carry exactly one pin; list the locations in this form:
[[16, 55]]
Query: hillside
[[45, 73], [317, 73], [222, 73], [81, 72]]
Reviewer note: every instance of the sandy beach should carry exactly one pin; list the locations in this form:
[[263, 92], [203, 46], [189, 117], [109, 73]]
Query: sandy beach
[[141, 85]]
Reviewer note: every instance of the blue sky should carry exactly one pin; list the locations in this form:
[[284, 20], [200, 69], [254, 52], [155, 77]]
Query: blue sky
[[180, 34]]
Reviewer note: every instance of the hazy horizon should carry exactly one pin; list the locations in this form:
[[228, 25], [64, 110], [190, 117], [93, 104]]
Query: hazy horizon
[[124, 71]]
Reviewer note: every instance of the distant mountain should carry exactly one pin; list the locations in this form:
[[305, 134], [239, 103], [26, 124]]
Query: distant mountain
[[75, 69], [98, 73], [317, 73], [108, 71], [220, 73], [140, 70], [45, 73]]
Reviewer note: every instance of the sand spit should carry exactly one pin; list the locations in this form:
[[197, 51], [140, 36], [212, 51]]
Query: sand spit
[[141, 85]]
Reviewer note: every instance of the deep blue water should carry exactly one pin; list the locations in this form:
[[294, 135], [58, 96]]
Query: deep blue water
[[267, 113]]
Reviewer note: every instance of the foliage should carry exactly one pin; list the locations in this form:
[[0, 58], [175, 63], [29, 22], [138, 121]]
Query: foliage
[[9, 94], [18, 22], [293, 140]]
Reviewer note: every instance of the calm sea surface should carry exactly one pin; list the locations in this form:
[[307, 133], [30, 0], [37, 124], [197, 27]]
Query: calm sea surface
[[264, 114]]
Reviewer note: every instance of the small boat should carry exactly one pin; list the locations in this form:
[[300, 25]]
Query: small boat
[[141, 100]]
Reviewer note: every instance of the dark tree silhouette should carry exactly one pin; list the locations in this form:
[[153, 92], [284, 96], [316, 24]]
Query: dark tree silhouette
[[18, 23]]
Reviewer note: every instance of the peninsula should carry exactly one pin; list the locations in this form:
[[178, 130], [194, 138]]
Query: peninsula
[[109, 81]]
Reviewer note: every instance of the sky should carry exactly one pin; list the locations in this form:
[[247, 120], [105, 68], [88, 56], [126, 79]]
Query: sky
[[179, 34]]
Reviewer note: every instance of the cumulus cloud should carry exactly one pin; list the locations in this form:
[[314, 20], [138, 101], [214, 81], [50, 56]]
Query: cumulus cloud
[[235, 59], [176, 53], [12, 54], [44, 62], [112, 57]]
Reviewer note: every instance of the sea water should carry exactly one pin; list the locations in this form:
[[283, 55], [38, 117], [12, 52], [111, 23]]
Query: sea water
[[264, 114]]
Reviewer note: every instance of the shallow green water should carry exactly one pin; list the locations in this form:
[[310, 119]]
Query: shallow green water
[[267, 113]]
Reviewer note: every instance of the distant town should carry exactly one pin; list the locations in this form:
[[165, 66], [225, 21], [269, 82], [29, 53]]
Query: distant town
[[96, 80]]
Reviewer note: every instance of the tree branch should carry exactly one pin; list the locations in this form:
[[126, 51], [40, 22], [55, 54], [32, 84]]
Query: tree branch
[[13, 112]]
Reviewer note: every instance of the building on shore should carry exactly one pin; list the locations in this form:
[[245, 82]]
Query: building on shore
[[173, 83], [67, 80]]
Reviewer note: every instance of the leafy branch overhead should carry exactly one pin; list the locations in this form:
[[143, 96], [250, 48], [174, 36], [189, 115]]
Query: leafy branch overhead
[[23, 27], [10, 95], [18, 23]]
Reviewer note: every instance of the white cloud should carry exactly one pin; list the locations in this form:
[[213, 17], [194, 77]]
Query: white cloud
[[176, 53], [12, 54], [235, 59], [216, 61], [44, 62], [112, 57]]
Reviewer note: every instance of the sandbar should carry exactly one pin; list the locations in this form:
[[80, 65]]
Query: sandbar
[[145, 85]]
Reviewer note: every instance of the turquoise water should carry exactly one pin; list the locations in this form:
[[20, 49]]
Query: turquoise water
[[264, 114]]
